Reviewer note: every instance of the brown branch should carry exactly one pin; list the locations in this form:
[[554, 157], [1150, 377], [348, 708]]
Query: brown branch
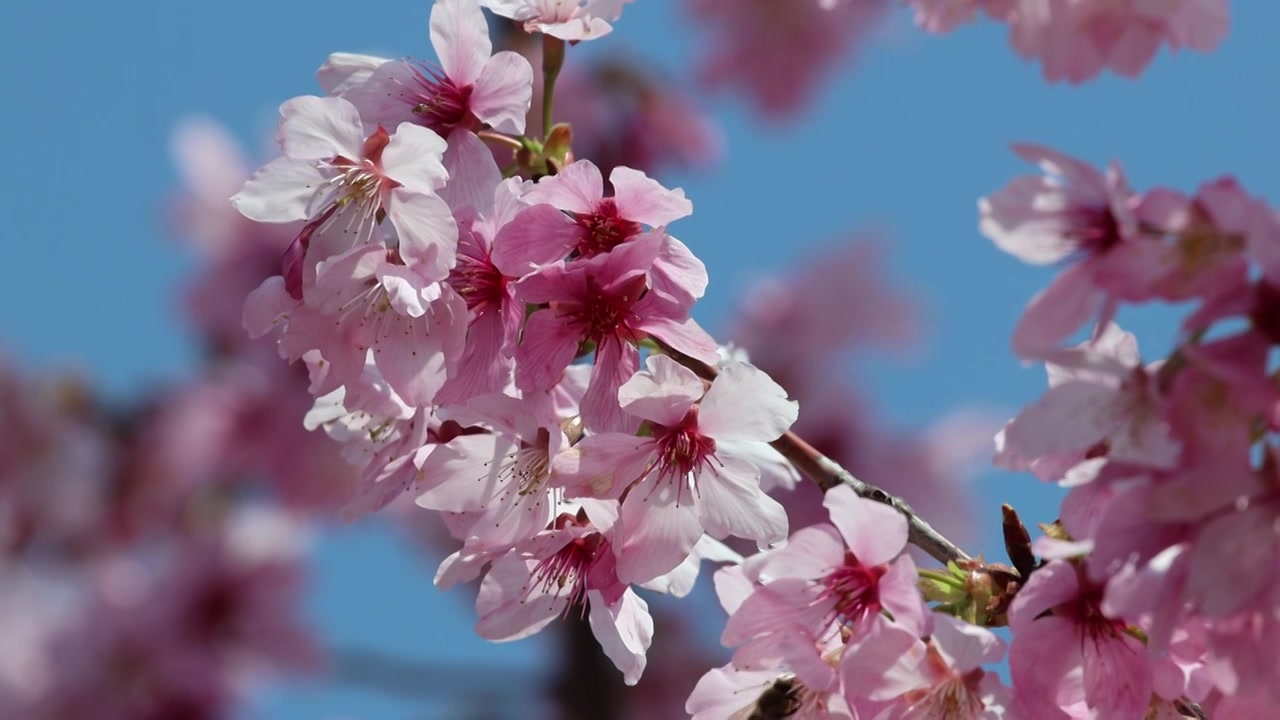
[[827, 474]]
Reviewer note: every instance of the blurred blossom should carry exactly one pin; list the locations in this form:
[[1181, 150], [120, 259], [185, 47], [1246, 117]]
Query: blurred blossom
[[798, 326]]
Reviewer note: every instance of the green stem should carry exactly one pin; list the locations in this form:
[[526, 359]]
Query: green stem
[[552, 61], [941, 577]]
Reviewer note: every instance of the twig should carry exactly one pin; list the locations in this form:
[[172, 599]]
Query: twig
[[827, 474]]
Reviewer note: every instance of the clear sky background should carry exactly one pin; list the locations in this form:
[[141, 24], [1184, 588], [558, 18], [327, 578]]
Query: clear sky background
[[905, 139]]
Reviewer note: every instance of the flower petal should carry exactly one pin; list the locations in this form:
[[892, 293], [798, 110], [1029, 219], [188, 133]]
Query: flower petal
[[744, 403], [460, 37]]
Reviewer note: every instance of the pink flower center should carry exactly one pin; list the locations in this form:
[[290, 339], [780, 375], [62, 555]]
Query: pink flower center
[[565, 572], [438, 101], [854, 588], [604, 314], [478, 280], [604, 229], [952, 698], [1086, 611], [682, 449], [1095, 229]]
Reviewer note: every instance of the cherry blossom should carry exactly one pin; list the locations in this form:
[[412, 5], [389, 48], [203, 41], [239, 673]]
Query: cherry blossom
[[472, 88], [687, 475], [1072, 213], [339, 180], [605, 300], [571, 20]]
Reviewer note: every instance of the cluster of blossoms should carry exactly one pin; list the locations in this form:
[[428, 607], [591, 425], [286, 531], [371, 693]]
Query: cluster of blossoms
[[439, 302], [439, 308], [1161, 575], [831, 625]]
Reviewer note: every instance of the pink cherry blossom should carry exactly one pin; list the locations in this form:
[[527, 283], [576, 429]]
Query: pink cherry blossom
[[605, 300], [942, 678], [506, 477], [1072, 213], [1204, 256], [570, 566], [827, 583], [341, 182], [1067, 657], [571, 20], [1076, 40], [495, 250], [471, 88], [687, 476], [1101, 401], [602, 224]]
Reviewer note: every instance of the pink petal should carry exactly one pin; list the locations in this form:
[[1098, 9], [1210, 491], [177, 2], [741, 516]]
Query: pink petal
[[732, 587], [616, 361], [342, 72], [404, 290], [663, 392], [383, 99], [1117, 678], [603, 465], [266, 305], [730, 502], [679, 582], [465, 474], [785, 605], [1065, 423], [473, 174], [485, 365], [1048, 587], [577, 188], [810, 553], [460, 37], [744, 403], [965, 646], [678, 273], [505, 611], [684, 335], [724, 692], [314, 128], [658, 531], [279, 191], [414, 158], [428, 234], [503, 92], [901, 597], [536, 237], [1057, 312], [624, 631], [416, 355], [876, 533], [1044, 663], [642, 199], [548, 346], [883, 663]]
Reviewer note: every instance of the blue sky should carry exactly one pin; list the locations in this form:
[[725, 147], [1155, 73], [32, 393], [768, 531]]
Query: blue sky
[[905, 139]]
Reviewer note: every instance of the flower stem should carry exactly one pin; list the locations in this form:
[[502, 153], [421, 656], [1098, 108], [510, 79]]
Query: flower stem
[[827, 473], [552, 61]]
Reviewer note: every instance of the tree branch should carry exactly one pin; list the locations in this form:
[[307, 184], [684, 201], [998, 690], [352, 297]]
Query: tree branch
[[827, 474]]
